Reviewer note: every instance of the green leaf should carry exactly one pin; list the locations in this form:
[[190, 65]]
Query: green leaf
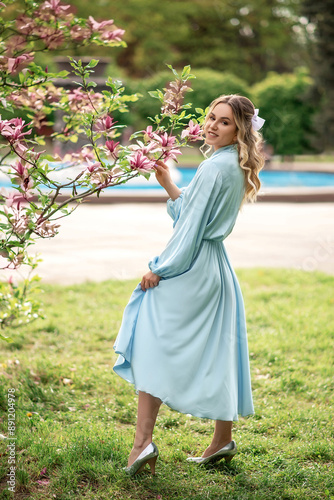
[[62, 74], [172, 69], [73, 138], [153, 93], [22, 77], [49, 158], [92, 63], [40, 140], [185, 72]]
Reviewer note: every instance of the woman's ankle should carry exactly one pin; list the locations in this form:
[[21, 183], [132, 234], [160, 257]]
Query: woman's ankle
[[217, 445], [141, 443]]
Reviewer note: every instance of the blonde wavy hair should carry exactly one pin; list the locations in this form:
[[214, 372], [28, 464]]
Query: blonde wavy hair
[[249, 141]]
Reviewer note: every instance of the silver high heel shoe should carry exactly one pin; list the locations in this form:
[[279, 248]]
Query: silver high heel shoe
[[227, 452], [148, 456]]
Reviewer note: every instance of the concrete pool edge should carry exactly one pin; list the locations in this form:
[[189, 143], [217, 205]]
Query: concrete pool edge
[[279, 194], [294, 195]]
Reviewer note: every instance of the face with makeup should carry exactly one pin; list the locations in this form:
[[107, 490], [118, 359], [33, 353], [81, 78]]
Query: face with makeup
[[220, 129]]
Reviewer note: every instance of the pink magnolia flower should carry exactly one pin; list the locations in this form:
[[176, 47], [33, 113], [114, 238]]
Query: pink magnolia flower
[[20, 223], [80, 33], [27, 154], [95, 26], [193, 132], [148, 132], [83, 155], [165, 140], [97, 174], [140, 162], [14, 199], [33, 98], [55, 6], [39, 120], [87, 154], [112, 146], [104, 124], [94, 166], [50, 37], [147, 149], [16, 63], [115, 34], [21, 168], [173, 97], [171, 154], [23, 177], [54, 94], [81, 101], [15, 44], [12, 129], [106, 29], [25, 25], [46, 229], [20, 149]]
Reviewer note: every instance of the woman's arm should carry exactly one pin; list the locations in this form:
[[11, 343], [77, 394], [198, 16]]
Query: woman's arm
[[164, 178], [162, 173]]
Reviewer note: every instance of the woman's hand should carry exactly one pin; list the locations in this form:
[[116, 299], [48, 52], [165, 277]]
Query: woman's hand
[[165, 180], [162, 174], [149, 280]]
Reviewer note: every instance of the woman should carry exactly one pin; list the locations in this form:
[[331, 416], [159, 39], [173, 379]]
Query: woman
[[183, 338]]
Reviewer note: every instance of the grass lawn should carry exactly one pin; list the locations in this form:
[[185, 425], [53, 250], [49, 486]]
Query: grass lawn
[[75, 418]]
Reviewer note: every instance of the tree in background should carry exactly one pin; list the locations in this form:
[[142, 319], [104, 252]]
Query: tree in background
[[319, 21], [245, 39]]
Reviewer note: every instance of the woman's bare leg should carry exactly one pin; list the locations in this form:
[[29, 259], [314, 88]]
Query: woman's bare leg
[[148, 408], [221, 437]]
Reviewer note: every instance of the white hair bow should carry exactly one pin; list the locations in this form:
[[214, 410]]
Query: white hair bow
[[257, 121]]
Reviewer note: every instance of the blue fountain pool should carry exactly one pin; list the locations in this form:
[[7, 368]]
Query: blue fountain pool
[[269, 179], [280, 178]]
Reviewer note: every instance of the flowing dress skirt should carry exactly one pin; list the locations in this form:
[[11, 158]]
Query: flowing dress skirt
[[185, 341]]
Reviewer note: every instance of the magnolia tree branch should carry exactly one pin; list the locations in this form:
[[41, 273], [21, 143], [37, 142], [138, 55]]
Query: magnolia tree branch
[[27, 210]]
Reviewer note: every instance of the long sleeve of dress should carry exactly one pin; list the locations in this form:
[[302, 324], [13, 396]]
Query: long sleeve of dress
[[174, 207], [191, 214]]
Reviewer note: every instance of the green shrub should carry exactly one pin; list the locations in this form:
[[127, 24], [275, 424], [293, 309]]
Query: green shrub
[[210, 84], [207, 85], [285, 103]]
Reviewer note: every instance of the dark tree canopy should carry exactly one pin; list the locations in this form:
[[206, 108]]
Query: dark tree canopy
[[247, 39], [321, 16]]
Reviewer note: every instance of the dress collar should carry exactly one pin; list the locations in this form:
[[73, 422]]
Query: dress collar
[[230, 147]]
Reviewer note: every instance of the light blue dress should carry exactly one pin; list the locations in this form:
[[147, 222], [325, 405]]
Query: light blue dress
[[185, 341]]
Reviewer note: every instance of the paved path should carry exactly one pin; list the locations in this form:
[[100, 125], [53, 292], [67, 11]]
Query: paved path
[[100, 242]]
